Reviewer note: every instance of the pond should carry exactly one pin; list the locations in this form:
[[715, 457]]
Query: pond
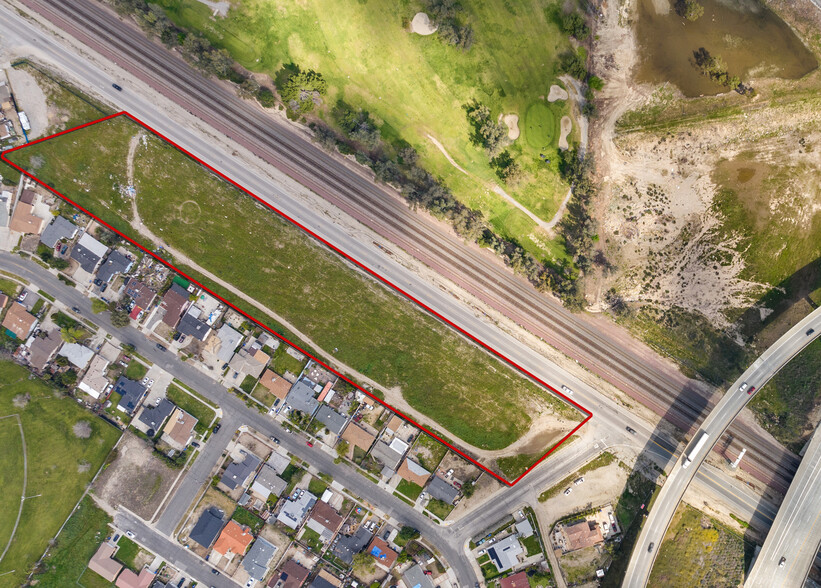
[[750, 39]]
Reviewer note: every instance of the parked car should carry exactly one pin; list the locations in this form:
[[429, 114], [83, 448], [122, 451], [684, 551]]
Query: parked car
[[75, 309], [309, 444], [129, 534], [568, 491], [579, 481], [150, 383], [23, 296], [217, 427], [195, 444], [161, 347]]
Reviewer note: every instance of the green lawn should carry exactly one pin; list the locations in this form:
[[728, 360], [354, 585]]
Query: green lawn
[[193, 406], [127, 552], [413, 85], [409, 489], [11, 476], [317, 486], [67, 560], [262, 394], [247, 518], [135, 370], [532, 545], [312, 540], [514, 466], [382, 336], [282, 362], [60, 464], [440, 508], [432, 447]]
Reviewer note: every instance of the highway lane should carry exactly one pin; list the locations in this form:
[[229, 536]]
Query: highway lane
[[796, 532], [661, 388], [719, 419]]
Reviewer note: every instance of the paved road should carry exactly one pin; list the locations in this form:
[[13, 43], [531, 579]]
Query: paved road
[[451, 539], [757, 375], [192, 566], [796, 532], [627, 364]]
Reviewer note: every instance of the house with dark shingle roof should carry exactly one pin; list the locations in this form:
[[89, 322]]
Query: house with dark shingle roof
[[331, 419], [141, 294], [348, 546], [208, 526], [441, 490], [291, 575], [302, 397], [42, 349], [115, 263], [60, 228], [88, 252], [237, 473], [154, 416], [194, 327], [131, 392], [257, 559]]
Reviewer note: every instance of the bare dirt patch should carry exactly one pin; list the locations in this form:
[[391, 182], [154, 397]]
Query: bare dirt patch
[[21, 400], [556, 93], [512, 122], [82, 429], [422, 25], [136, 479], [566, 126]]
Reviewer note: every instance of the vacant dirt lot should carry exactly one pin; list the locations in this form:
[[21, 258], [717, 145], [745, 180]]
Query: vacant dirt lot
[[137, 479]]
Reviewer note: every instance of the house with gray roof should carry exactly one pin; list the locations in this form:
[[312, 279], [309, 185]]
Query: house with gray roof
[[208, 526], [131, 394], [154, 416], [257, 559], [505, 554], [524, 528], [415, 578], [57, 230], [115, 263], [302, 397], [278, 461], [387, 456], [78, 355], [294, 511], [88, 252], [331, 419], [237, 473], [229, 341], [348, 546], [441, 490], [193, 327], [268, 482]]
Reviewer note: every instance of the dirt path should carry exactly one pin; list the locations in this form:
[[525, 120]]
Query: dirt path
[[494, 187], [393, 396]]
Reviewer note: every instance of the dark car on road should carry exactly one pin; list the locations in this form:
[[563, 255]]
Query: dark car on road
[[650, 548], [216, 428], [631, 430], [117, 87], [161, 347]]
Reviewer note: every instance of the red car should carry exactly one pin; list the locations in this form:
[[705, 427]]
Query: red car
[[751, 390], [309, 444]]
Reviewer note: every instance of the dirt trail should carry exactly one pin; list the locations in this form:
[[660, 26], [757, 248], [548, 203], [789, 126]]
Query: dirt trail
[[393, 396], [494, 187]]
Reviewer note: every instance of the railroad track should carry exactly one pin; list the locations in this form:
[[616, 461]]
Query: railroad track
[[669, 394]]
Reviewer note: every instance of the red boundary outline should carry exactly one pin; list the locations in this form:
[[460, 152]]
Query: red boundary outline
[[333, 248]]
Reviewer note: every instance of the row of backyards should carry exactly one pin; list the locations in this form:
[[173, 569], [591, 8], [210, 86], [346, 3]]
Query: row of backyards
[[64, 448], [379, 334]]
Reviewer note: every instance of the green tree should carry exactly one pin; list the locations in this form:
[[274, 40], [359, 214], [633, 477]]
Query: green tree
[[573, 24], [119, 318], [72, 334], [408, 533], [98, 306], [689, 9], [299, 88], [342, 448], [363, 563]]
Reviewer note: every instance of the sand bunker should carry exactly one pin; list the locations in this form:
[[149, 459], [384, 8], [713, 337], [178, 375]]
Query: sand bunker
[[512, 122], [556, 93], [421, 24], [567, 126]]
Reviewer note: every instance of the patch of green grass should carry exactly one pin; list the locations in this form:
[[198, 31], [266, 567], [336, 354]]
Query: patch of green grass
[[603, 460], [412, 85], [55, 457], [532, 545], [247, 518], [292, 474], [540, 579], [784, 405], [317, 486], [409, 489], [68, 558], [440, 508], [744, 524], [540, 126], [400, 497], [262, 394], [9, 287], [490, 571], [434, 452], [11, 476], [312, 540], [282, 362], [247, 385], [695, 537], [514, 466], [483, 559], [382, 336], [135, 371], [127, 552], [193, 406]]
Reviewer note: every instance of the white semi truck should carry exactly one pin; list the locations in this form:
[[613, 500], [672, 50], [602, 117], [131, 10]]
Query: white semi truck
[[688, 458]]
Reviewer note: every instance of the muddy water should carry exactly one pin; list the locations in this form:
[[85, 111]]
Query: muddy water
[[751, 40]]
